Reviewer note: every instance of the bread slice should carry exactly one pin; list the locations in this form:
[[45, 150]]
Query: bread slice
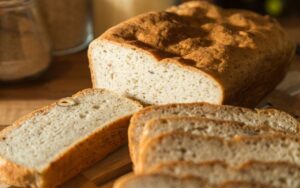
[[278, 174], [196, 52], [202, 126], [275, 119], [186, 147], [166, 181], [52, 144], [158, 181]]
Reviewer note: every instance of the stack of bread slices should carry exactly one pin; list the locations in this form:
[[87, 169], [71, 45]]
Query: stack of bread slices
[[213, 146]]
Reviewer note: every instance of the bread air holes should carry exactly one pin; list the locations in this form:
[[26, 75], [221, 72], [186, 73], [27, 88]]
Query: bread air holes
[[192, 123], [267, 145], [96, 107], [163, 121], [291, 172], [183, 152], [284, 145], [68, 101], [282, 180], [112, 76], [82, 128]]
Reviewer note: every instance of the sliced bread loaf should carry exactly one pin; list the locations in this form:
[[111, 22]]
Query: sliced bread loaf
[[275, 119], [196, 52], [52, 144], [166, 181], [236, 151], [278, 174], [201, 126]]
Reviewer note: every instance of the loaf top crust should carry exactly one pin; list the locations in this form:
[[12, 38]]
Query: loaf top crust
[[233, 46]]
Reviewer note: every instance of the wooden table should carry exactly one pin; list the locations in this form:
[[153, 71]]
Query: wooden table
[[70, 74]]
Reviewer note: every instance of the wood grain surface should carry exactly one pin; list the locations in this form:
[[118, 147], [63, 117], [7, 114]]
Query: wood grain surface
[[70, 74]]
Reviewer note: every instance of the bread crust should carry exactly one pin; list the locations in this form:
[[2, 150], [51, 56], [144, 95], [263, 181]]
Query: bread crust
[[121, 182], [135, 128], [241, 184], [245, 54], [80, 155]]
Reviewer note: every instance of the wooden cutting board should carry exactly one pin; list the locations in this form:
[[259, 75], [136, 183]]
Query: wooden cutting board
[[70, 74]]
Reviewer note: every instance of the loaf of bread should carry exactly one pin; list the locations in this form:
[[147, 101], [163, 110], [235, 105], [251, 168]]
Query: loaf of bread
[[275, 119], [52, 144], [166, 181], [202, 126], [192, 53], [278, 174], [191, 148]]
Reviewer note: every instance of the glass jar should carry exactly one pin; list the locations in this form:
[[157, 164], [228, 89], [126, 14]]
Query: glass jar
[[24, 45], [68, 24], [120, 10]]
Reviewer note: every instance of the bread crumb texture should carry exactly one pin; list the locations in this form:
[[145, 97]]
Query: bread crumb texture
[[43, 136]]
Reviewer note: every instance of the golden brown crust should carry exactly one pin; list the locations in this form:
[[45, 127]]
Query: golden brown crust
[[260, 164], [133, 131], [14, 174], [81, 155], [243, 52], [91, 67]]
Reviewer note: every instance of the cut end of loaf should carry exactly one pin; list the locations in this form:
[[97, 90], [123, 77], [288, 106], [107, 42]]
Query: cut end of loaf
[[40, 143], [64, 123], [140, 75]]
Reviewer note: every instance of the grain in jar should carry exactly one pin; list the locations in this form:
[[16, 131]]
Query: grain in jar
[[67, 22]]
